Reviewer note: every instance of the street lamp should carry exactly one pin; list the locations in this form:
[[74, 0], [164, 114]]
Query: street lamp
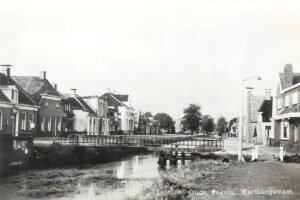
[[241, 117]]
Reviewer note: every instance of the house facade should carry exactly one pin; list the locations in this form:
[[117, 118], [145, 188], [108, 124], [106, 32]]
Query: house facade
[[251, 122], [286, 110], [119, 105], [18, 112], [100, 106], [265, 127], [146, 125], [85, 120], [48, 99]]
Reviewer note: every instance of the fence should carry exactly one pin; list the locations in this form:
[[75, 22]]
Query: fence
[[151, 142]]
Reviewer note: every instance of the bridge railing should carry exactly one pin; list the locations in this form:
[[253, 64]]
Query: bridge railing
[[201, 144]]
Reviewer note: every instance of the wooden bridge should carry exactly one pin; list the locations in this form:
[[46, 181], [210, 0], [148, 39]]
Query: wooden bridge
[[155, 143]]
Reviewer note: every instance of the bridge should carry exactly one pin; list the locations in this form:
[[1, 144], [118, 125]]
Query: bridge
[[150, 142]]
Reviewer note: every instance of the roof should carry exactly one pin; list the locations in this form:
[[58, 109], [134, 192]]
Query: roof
[[78, 103], [266, 109], [24, 97], [122, 97], [35, 86], [115, 100], [255, 104], [3, 97], [288, 110], [296, 79]]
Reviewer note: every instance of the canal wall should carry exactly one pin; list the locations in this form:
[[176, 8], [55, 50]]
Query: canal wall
[[56, 155]]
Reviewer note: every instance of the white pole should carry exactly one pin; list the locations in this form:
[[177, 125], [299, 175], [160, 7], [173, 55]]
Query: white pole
[[241, 127]]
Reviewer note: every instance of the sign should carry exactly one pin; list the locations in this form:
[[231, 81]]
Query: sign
[[32, 125]]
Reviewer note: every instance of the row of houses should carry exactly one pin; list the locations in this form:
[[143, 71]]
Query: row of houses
[[275, 119], [32, 106]]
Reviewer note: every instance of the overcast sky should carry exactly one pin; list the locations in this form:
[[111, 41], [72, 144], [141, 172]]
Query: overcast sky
[[165, 53]]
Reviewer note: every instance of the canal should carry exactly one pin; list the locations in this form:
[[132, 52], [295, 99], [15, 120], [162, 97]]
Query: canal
[[115, 180]]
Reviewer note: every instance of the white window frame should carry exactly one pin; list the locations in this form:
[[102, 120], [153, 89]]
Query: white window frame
[[49, 123], [283, 125], [1, 119], [295, 98], [286, 101], [23, 122], [43, 124], [296, 134], [59, 124]]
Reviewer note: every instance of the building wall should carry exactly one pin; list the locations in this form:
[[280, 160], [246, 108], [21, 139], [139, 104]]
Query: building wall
[[7, 121], [80, 121], [49, 109]]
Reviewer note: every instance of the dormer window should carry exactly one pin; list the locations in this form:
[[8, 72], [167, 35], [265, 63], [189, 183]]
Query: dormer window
[[14, 95]]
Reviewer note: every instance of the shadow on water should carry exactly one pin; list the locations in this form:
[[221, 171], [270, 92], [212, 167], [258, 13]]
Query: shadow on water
[[114, 180]]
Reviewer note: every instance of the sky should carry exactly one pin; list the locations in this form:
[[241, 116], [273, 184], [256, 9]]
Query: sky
[[165, 54]]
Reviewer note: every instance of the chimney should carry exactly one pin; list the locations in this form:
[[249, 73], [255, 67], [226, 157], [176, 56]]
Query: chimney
[[55, 86], [268, 94], [74, 92], [249, 91], [6, 69], [288, 75], [43, 75]]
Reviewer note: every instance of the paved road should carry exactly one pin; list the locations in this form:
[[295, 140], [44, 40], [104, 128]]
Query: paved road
[[267, 175]]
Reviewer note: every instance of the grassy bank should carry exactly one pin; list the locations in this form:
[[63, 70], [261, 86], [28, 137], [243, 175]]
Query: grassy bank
[[176, 184], [56, 155]]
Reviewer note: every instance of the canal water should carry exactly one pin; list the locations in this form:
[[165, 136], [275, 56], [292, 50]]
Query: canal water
[[115, 180]]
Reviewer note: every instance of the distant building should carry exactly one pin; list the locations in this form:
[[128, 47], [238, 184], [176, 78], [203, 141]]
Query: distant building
[[147, 125], [100, 106], [85, 119], [250, 120], [18, 112], [125, 113], [178, 125], [51, 110], [264, 122], [286, 109]]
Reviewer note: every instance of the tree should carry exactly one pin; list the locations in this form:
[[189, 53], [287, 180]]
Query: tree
[[148, 114], [208, 124], [221, 125], [166, 121], [192, 118]]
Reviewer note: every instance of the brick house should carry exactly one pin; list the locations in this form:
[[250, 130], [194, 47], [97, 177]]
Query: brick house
[[18, 112], [45, 95], [85, 120], [286, 109]]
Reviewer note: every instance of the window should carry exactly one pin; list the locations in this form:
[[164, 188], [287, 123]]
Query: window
[[23, 121], [296, 133], [46, 103], [31, 120], [1, 118], [286, 101], [279, 103], [295, 98], [59, 124], [49, 124], [43, 124], [284, 130], [57, 105]]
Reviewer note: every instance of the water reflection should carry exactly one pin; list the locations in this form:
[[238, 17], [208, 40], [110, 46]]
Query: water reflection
[[115, 180]]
